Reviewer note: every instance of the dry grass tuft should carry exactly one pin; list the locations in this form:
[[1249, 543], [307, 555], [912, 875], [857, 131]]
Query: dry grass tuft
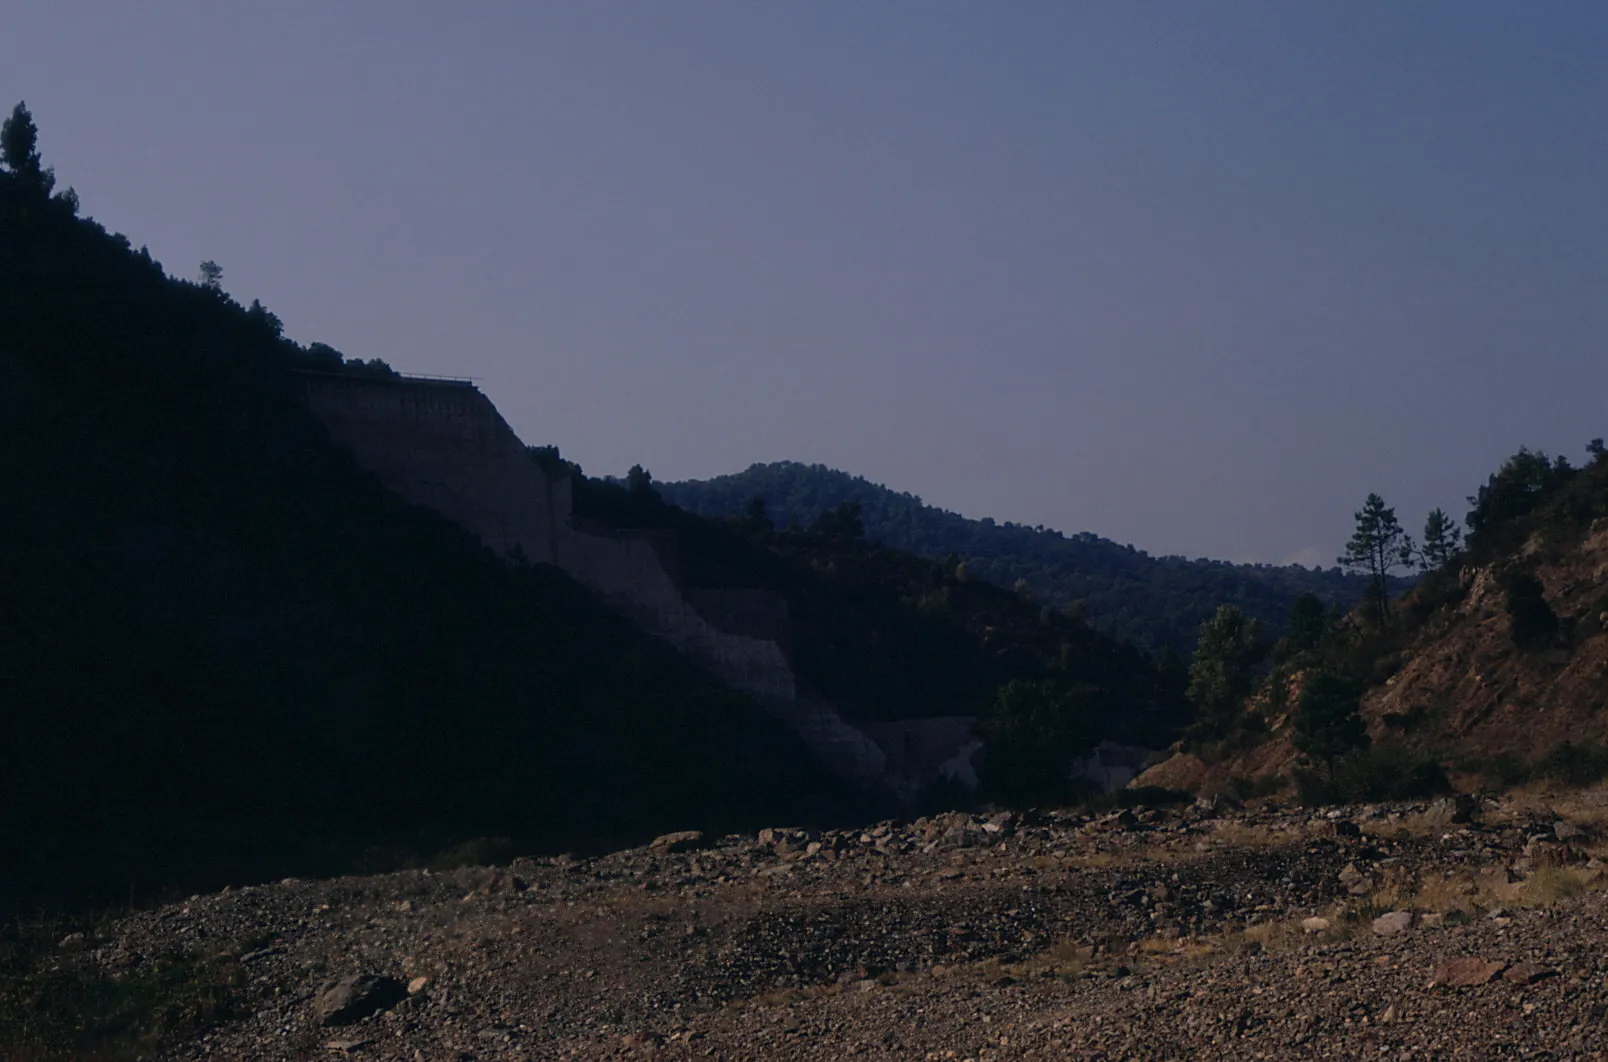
[[1549, 885]]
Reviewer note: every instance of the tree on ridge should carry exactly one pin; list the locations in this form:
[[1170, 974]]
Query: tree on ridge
[[1378, 545], [19, 151]]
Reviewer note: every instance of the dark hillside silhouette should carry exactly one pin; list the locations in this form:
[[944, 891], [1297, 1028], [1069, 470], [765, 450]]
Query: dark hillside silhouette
[[884, 634], [1150, 601], [227, 654]]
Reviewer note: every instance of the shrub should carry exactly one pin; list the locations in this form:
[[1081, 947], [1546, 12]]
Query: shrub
[[1507, 770], [1533, 623], [1572, 764], [1386, 772], [1327, 723]]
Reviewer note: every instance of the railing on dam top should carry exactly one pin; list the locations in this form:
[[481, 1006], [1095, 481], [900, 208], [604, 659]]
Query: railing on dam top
[[401, 377]]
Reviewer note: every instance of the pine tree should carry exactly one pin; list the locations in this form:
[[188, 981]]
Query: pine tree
[[1307, 625], [1442, 540], [19, 151], [1378, 545], [1327, 724], [1222, 673]]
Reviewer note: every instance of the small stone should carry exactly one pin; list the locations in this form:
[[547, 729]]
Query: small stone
[[355, 997], [642, 1038], [1527, 973], [680, 841], [1356, 882], [1566, 831], [345, 1046], [1452, 811], [1388, 925], [1389, 1015], [1314, 925], [417, 985], [1468, 972]]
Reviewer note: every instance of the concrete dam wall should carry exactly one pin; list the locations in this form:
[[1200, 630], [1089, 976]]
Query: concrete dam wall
[[443, 445]]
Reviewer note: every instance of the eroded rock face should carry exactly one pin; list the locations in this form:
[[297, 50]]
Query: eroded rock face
[[356, 996]]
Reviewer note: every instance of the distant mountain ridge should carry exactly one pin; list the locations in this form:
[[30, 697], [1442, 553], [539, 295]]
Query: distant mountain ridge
[[1151, 601]]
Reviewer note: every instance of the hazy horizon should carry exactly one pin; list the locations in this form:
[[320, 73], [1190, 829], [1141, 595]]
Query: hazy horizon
[[1192, 277]]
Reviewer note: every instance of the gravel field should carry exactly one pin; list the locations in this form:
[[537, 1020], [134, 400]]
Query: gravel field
[[1448, 931]]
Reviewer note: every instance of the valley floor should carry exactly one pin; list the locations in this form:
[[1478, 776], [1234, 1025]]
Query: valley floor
[[1383, 932]]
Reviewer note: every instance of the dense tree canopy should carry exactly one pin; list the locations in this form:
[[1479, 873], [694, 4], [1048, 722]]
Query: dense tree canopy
[[1520, 486], [1327, 721], [1150, 601], [1223, 672]]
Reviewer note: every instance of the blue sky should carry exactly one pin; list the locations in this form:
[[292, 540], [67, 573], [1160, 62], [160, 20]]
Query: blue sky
[[1194, 276]]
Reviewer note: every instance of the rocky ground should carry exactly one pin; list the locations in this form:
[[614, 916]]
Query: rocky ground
[[1449, 931]]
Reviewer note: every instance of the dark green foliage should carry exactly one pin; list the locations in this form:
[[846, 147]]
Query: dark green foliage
[[1571, 763], [1507, 770], [885, 635], [1150, 601], [1442, 539], [19, 151], [639, 482], [1032, 733], [1223, 672], [1532, 622], [1308, 624], [840, 521], [1575, 763], [228, 654], [1523, 483], [1389, 771], [211, 276], [1378, 545], [1327, 725], [755, 517], [553, 462]]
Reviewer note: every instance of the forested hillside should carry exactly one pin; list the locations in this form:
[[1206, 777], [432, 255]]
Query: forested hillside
[[228, 654], [884, 634], [1150, 601], [1491, 671]]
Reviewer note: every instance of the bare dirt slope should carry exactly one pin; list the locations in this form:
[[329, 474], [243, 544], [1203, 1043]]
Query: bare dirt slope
[[1156, 934]]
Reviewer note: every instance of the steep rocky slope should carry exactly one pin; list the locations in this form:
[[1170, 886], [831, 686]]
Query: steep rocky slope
[[1457, 682]]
